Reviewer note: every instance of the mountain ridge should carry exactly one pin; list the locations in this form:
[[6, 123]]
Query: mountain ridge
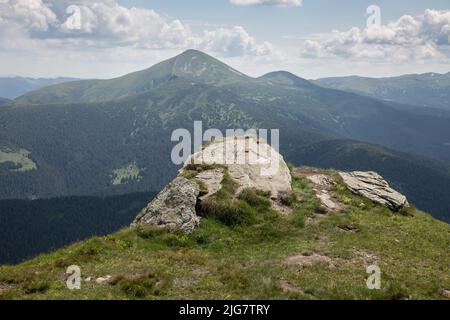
[[191, 64], [15, 86], [429, 90], [123, 145]]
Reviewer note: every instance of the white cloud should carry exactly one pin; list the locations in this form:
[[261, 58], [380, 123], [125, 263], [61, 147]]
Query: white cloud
[[279, 3], [408, 39], [232, 42], [107, 24]]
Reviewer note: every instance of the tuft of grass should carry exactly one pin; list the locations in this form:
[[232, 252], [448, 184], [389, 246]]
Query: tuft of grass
[[288, 199], [229, 212], [138, 287]]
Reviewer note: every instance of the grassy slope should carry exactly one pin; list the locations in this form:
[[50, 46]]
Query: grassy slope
[[249, 260], [421, 179]]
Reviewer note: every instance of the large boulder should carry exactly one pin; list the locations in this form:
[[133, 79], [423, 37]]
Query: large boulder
[[250, 161], [371, 185], [173, 208]]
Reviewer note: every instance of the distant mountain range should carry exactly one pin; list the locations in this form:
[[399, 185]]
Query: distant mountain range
[[106, 137], [13, 87], [4, 101], [430, 90]]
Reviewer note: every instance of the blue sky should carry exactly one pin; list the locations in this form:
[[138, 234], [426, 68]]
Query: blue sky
[[271, 22], [312, 38]]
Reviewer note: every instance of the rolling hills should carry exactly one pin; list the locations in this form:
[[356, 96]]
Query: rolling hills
[[430, 90]]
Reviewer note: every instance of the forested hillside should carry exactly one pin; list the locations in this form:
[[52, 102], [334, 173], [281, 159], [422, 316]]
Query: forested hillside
[[28, 228]]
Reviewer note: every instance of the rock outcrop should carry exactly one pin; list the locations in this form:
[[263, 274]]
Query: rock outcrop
[[250, 162], [323, 185], [173, 208], [371, 185]]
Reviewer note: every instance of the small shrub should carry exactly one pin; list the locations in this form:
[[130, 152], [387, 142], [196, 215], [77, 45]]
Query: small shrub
[[253, 199], [228, 212]]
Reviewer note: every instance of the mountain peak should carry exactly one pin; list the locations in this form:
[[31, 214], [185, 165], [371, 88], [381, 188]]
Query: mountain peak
[[203, 67]]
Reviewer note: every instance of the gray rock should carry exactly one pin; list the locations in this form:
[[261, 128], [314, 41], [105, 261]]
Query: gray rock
[[251, 162], [212, 180], [322, 186], [372, 186], [322, 180], [173, 208]]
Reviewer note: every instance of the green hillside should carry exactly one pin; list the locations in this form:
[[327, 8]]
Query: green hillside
[[431, 90], [303, 255]]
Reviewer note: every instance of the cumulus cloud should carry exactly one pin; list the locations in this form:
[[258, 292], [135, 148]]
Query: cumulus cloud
[[106, 23], [278, 3], [232, 42], [409, 38]]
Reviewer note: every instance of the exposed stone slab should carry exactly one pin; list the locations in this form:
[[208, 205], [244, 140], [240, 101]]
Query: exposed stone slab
[[372, 186]]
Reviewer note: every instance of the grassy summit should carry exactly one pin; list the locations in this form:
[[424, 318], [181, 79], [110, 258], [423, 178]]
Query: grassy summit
[[302, 254]]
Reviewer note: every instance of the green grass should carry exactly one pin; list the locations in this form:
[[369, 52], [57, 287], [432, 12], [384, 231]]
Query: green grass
[[126, 174], [246, 260], [19, 158]]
